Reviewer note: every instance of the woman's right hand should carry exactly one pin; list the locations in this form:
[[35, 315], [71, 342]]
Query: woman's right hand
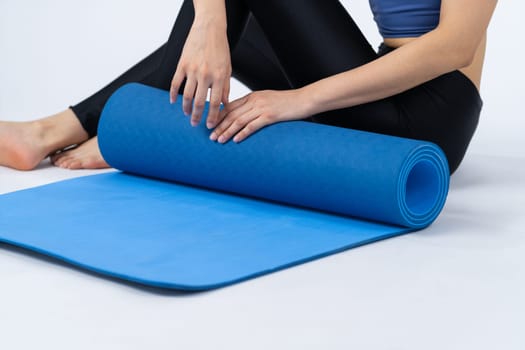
[[205, 63]]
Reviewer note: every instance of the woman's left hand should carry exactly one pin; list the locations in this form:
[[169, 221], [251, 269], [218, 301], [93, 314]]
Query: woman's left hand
[[244, 116]]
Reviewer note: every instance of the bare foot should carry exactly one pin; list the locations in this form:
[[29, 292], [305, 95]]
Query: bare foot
[[85, 156], [23, 145]]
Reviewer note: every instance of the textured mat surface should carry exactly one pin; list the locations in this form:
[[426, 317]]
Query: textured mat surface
[[217, 219]]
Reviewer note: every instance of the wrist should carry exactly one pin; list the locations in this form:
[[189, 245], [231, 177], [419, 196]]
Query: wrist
[[307, 100], [209, 23], [211, 15]]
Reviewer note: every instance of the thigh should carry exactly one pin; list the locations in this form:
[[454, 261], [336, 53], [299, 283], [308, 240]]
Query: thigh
[[444, 110], [312, 39], [315, 39], [254, 63]]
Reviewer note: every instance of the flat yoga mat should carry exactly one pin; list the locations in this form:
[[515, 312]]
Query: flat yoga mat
[[188, 213]]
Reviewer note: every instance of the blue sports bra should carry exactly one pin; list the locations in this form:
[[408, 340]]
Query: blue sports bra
[[405, 18]]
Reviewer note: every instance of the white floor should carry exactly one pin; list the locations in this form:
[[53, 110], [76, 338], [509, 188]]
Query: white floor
[[457, 285]]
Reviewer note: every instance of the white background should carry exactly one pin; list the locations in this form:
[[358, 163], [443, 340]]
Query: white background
[[55, 53], [457, 285]]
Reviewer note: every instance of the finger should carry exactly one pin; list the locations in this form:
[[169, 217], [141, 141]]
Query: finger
[[227, 120], [251, 128], [176, 82], [226, 92], [235, 104], [189, 93], [198, 104], [236, 125], [220, 120], [215, 103]]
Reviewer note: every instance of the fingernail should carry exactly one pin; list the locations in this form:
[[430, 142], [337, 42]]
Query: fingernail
[[209, 125], [222, 139], [213, 136], [236, 139], [194, 123]]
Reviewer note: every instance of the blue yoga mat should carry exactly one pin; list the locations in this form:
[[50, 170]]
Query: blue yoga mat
[[188, 213]]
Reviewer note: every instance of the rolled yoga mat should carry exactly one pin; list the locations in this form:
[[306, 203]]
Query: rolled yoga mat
[[188, 213]]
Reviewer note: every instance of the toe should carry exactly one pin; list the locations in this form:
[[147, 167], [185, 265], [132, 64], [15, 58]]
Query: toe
[[59, 158], [55, 158], [95, 163], [64, 161], [75, 164], [85, 156]]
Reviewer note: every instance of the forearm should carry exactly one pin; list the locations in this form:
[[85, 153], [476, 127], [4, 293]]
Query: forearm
[[452, 45], [410, 65], [210, 12]]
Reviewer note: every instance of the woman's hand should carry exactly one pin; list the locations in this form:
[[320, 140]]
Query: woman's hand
[[205, 63], [246, 115]]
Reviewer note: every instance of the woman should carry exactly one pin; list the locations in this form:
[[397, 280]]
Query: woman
[[303, 60]]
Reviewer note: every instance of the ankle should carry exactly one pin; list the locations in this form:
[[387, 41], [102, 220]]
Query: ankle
[[59, 131]]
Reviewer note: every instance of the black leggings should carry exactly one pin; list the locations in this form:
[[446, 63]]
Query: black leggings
[[280, 45]]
